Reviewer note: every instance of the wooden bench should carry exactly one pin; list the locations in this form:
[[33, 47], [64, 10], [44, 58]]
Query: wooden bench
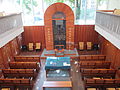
[[104, 73], [102, 83], [25, 65], [14, 84], [94, 64], [92, 57], [26, 58], [59, 85], [18, 73]]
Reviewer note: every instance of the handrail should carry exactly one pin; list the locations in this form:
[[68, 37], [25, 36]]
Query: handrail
[[106, 10]]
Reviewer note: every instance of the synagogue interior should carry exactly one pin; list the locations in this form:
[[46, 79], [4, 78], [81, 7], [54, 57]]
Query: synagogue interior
[[59, 45]]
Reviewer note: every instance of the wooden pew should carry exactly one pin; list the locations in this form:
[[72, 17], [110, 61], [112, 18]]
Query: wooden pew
[[13, 84], [57, 85], [18, 73], [25, 65], [27, 58], [104, 73], [94, 64], [92, 57], [102, 83]]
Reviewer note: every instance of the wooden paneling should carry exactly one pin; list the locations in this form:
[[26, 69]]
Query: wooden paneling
[[51, 10], [112, 53], [8, 52], [85, 33], [1, 60], [7, 55], [19, 41], [34, 34], [81, 33], [14, 47]]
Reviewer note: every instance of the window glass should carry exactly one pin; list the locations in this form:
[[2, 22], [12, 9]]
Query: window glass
[[102, 4], [32, 12], [84, 10], [87, 12]]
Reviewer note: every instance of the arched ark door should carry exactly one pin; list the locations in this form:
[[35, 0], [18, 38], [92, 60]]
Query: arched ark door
[[66, 19], [59, 30]]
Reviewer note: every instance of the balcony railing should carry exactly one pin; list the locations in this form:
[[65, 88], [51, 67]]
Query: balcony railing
[[108, 22], [108, 25], [10, 27], [10, 22]]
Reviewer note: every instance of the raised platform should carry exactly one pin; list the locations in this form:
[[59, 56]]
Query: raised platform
[[52, 53]]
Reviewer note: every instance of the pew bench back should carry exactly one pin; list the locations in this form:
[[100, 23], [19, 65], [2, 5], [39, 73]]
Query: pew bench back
[[18, 73], [24, 65], [30, 58], [105, 73], [92, 57], [16, 83], [94, 64], [104, 83]]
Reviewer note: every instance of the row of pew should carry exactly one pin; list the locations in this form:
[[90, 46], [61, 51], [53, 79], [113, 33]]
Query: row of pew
[[97, 74], [20, 75]]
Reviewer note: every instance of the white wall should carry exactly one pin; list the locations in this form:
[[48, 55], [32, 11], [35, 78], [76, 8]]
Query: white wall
[[9, 6], [114, 4]]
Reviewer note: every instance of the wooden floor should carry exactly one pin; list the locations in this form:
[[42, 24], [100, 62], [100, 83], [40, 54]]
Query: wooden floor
[[75, 77], [75, 74]]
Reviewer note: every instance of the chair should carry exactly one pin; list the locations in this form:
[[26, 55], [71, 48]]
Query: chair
[[30, 46], [81, 45], [38, 46], [116, 12], [89, 45]]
